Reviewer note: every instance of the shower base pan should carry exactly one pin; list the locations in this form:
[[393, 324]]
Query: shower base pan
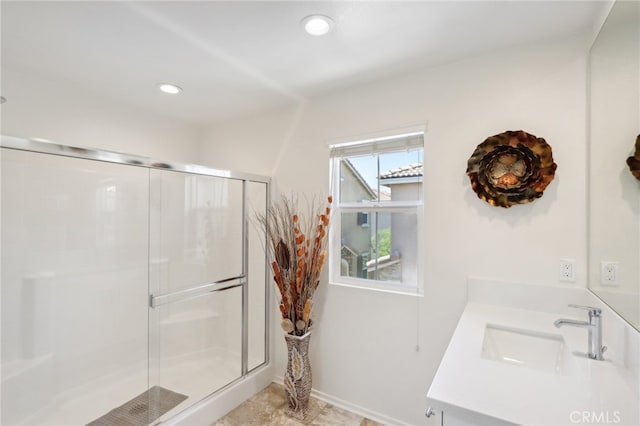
[[141, 410]]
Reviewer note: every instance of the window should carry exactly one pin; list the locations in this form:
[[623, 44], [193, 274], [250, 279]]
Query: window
[[377, 213], [363, 219]]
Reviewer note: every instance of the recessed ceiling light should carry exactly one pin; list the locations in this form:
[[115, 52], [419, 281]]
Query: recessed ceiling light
[[172, 89], [317, 25]]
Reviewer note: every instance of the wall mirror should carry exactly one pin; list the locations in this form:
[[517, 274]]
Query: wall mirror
[[614, 193]]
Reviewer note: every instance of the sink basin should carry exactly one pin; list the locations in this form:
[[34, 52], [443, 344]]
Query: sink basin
[[526, 348]]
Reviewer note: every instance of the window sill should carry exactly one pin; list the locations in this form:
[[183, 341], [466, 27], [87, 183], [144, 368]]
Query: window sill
[[405, 291]]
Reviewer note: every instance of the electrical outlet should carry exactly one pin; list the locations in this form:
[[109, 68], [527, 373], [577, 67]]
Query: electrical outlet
[[609, 273], [568, 270]]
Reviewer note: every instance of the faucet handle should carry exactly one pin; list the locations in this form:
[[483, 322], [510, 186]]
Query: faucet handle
[[595, 312]]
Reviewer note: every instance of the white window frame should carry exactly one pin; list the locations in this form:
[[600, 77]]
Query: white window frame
[[380, 145]]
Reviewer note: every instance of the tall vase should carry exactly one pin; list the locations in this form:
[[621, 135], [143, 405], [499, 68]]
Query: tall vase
[[297, 379]]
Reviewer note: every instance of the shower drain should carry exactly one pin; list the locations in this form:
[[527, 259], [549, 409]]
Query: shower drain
[[138, 409]]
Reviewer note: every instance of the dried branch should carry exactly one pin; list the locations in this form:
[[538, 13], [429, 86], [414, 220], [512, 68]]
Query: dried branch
[[297, 244]]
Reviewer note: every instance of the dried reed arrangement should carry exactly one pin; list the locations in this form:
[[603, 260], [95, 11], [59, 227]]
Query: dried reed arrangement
[[297, 244]]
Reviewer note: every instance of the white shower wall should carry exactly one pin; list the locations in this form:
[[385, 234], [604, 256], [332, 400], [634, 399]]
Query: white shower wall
[[74, 276]]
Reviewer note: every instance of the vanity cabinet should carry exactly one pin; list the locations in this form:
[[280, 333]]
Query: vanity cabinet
[[508, 364]]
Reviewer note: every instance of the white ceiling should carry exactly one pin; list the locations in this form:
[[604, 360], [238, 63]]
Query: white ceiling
[[236, 57]]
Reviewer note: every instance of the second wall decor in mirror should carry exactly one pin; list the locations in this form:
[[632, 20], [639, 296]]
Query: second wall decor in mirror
[[634, 161]]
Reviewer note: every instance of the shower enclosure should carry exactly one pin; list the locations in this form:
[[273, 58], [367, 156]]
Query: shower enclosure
[[131, 289]]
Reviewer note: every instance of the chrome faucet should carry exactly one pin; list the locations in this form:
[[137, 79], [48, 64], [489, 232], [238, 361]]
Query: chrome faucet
[[594, 330]]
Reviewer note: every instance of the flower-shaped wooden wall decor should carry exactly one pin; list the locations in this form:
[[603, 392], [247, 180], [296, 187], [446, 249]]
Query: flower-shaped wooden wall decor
[[634, 160], [513, 167]]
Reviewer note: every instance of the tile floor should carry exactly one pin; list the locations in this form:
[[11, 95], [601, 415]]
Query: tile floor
[[267, 408]]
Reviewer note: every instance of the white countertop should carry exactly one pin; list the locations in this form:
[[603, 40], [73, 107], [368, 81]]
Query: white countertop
[[594, 392]]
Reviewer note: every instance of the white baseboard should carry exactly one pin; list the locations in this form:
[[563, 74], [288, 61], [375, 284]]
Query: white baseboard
[[354, 408]]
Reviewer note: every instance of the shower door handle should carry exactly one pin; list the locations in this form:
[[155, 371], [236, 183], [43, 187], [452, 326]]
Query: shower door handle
[[196, 292]]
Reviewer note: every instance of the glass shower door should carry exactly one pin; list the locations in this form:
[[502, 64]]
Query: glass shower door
[[256, 196], [196, 284], [131, 289]]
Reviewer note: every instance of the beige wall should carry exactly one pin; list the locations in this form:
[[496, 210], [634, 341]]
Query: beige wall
[[60, 111], [366, 341]]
